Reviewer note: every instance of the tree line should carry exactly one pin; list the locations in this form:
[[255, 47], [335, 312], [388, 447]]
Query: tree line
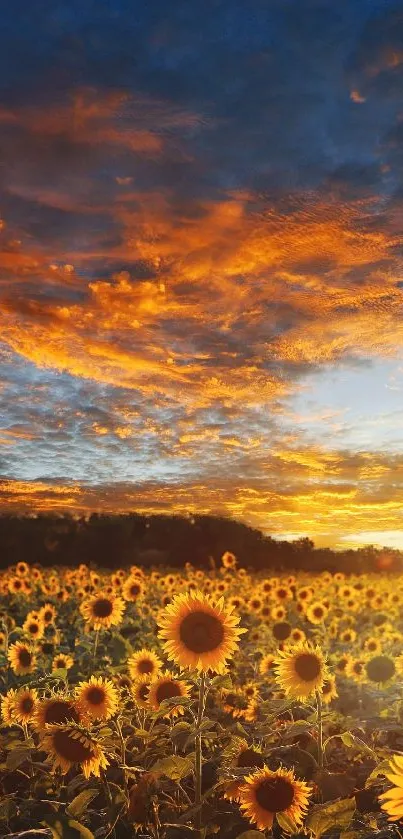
[[111, 541]]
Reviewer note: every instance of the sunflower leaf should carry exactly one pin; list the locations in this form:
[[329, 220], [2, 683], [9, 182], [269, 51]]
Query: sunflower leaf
[[63, 827], [174, 767], [79, 804], [325, 816], [18, 756]]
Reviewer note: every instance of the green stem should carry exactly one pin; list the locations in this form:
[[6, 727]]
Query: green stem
[[95, 645], [320, 729], [198, 749], [123, 751]]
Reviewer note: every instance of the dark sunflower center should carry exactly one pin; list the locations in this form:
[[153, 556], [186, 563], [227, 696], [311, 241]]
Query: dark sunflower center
[[60, 662], [275, 794], [281, 593], [33, 628], [135, 590], [167, 690], [255, 604], [307, 666], [380, 669], [250, 758], [60, 711], [69, 748], [17, 584], [201, 632], [145, 666], [25, 658], [281, 630], [102, 608], [95, 696], [47, 617], [318, 612], [27, 704]]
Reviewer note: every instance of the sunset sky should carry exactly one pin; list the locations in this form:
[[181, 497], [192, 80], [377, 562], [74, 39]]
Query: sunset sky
[[201, 271]]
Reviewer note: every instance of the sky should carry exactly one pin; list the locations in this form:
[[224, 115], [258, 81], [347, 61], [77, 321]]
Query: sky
[[201, 282]]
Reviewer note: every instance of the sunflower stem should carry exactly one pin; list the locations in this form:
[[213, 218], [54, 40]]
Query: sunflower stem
[[320, 729], [198, 750], [95, 645], [123, 752]]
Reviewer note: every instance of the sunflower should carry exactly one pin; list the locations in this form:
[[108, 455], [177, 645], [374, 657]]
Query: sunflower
[[33, 627], [140, 690], [24, 704], [278, 613], [68, 746], [103, 611], [281, 630], [198, 633], [22, 569], [48, 614], [62, 662], [316, 613], [392, 799], [235, 702], [55, 710], [266, 793], [250, 690], [329, 690], [228, 560], [355, 669], [167, 686], [301, 670], [98, 698], [241, 757], [348, 636], [297, 635], [22, 658], [7, 707], [282, 593], [266, 665], [145, 662], [380, 669], [133, 589], [16, 585]]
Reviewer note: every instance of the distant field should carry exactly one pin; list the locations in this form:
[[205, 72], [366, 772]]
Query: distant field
[[182, 704]]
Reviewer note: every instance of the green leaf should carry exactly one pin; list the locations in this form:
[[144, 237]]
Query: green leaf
[[119, 648], [325, 816], [381, 769], [60, 674], [174, 767], [18, 756], [287, 823], [80, 803], [348, 739], [222, 682]]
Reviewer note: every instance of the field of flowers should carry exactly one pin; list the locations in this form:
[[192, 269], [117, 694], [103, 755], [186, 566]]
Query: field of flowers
[[174, 705]]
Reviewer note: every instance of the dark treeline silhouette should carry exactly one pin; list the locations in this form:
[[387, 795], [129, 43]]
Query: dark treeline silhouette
[[111, 541]]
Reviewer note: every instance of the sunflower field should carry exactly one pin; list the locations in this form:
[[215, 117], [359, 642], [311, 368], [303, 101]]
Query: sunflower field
[[172, 705]]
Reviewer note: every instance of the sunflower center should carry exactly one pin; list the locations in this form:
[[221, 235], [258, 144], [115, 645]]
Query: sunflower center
[[251, 758], [167, 690], [275, 794], [201, 632], [281, 630], [47, 617], [102, 608], [25, 658], [95, 696], [33, 628], [27, 704], [307, 667], [380, 669], [67, 747], [318, 612], [135, 590], [60, 711], [145, 666], [143, 692]]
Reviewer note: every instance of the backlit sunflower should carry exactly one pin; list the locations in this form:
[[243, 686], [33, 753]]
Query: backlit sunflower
[[48, 613], [266, 793], [329, 690], [348, 636], [24, 704], [167, 686], [266, 665], [98, 698], [133, 589], [392, 799], [7, 707], [102, 611], [355, 669], [62, 662], [301, 670], [68, 746], [229, 560], [140, 690], [22, 658], [144, 663], [240, 756], [198, 633], [33, 628], [316, 613], [55, 710]]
